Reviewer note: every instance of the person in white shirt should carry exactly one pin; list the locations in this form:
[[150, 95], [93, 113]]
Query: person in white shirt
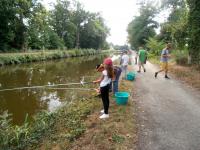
[[105, 80], [125, 61]]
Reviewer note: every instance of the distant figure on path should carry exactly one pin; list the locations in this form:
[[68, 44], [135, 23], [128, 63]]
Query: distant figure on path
[[136, 56], [125, 61], [164, 60], [142, 54]]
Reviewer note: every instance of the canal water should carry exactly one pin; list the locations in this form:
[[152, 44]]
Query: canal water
[[30, 101]]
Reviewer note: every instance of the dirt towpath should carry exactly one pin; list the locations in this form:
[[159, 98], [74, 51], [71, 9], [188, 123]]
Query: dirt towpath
[[168, 113]]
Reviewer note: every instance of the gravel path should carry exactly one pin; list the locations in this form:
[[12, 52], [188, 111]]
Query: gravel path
[[168, 113]]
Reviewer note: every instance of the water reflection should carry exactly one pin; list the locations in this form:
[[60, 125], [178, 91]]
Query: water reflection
[[52, 100]]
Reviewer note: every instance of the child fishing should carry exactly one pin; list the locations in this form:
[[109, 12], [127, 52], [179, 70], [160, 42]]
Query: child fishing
[[117, 72], [105, 80]]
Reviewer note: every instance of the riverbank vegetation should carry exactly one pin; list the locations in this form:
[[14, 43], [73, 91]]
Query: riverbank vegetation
[[181, 28], [70, 118], [33, 56], [29, 25]]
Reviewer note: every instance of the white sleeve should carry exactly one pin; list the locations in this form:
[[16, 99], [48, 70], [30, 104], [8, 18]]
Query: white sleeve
[[104, 73]]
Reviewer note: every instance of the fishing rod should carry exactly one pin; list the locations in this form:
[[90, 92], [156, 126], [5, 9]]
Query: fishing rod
[[82, 82], [83, 89]]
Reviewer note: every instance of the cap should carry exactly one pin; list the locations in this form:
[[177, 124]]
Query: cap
[[108, 61]]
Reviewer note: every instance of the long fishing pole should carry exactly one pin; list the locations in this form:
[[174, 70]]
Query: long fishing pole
[[83, 89], [82, 82], [43, 86]]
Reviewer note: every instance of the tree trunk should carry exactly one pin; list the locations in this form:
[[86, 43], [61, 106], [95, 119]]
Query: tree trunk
[[77, 37]]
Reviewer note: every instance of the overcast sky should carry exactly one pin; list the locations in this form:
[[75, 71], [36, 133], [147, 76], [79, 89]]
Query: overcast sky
[[117, 15]]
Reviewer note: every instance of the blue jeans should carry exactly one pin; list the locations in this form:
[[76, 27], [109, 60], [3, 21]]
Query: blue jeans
[[124, 70], [114, 86]]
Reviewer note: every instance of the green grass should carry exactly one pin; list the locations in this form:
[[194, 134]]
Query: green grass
[[33, 56], [118, 138]]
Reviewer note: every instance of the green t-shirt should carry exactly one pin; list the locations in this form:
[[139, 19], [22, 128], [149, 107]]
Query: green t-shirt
[[142, 55]]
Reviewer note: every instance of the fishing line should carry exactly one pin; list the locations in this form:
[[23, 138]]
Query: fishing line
[[43, 86], [83, 89]]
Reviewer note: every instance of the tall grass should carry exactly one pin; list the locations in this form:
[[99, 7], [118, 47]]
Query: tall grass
[[18, 137], [17, 58]]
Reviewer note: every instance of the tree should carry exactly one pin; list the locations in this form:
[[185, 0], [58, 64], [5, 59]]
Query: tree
[[79, 18], [174, 4], [93, 33], [175, 29], [7, 13], [194, 30], [27, 24], [40, 34], [22, 14], [142, 26], [61, 21], [155, 46]]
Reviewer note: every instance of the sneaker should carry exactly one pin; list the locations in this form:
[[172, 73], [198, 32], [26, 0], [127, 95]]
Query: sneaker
[[102, 111], [104, 116], [138, 71], [167, 77], [156, 74]]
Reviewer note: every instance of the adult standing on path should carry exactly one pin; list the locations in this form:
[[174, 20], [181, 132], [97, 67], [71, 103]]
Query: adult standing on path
[[142, 58], [125, 61], [136, 56], [164, 61]]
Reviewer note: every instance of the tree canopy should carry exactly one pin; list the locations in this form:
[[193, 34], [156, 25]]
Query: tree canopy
[[27, 24], [143, 26]]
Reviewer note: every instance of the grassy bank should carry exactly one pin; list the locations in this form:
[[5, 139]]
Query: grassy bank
[[79, 126], [64, 125], [17, 58], [119, 132]]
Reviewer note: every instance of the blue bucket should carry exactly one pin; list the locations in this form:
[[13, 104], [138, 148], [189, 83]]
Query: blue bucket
[[121, 98], [131, 76]]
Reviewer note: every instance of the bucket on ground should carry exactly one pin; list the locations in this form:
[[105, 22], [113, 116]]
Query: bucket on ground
[[121, 98], [131, 76]]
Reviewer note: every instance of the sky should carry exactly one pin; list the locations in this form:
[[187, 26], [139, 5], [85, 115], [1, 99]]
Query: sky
[[117, 14]]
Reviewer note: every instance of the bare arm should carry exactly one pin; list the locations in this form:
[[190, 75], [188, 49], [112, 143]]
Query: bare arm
[[99, 80]]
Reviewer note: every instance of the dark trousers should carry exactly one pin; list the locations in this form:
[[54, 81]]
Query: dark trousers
[[105, 97]]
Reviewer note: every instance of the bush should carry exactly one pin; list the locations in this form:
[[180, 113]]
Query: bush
[[155, 46], [181, 57]]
